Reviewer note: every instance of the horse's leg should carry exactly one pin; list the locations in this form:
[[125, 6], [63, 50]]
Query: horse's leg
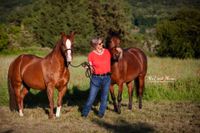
[[141, 87], [61, 93], [119, 97], [17, 86], [112, 92], [50, 93], [130, 93], [23, 93]]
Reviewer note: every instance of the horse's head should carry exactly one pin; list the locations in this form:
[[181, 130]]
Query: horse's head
[[113, 46], [67, 45], [112, 42], [116, 53]]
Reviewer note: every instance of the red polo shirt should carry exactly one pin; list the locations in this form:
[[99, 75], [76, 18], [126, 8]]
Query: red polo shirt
[[100, 63]]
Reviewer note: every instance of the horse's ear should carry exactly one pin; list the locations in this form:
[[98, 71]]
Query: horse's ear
[[121, 33], [62, 34], [72, 33], [118, 41]]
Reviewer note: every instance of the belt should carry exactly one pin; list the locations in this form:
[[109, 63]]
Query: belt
[[104, 74]]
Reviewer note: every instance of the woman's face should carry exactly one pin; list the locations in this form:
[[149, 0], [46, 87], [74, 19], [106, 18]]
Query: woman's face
[[99, 46]]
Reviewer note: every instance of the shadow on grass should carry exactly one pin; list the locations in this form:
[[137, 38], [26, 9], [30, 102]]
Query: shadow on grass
[[78, 97], [123, 126], [73, 97], [39, 99]]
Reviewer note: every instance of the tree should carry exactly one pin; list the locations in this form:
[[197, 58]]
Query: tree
[[58, 16], [180, 35], [112, 15], [3, 37], [46, 19]]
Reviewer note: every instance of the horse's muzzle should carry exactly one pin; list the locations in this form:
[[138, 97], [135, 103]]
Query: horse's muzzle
[[68, 63]]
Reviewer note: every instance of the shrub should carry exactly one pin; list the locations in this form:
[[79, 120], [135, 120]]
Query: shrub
[[3, 37]]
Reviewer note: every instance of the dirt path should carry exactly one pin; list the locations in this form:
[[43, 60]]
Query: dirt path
[[154, 117]]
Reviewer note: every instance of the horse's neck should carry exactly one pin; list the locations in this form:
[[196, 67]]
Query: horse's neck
[[118, 65], [55, 56]]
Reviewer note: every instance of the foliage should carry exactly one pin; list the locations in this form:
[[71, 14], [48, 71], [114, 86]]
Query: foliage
[[159, 9], [3, 37], [180, 35], [146, 22], [46, 19], [41, 21], [113, 15]]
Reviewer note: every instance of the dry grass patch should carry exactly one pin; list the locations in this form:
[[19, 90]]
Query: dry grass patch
[[154, 117]]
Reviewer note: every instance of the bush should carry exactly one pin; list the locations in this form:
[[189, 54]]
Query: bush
[[3, 37], [180, 36]]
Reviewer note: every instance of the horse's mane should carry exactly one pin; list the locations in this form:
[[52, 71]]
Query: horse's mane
[[55, 48]]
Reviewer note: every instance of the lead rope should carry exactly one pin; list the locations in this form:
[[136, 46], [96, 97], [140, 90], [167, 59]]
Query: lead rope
[[86, 65], [88, 72]]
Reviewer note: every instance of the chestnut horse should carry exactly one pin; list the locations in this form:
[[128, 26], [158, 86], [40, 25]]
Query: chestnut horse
[[29, 71], [126, 65]]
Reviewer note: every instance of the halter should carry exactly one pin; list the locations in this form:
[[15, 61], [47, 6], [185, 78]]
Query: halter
[[120, 52], [65, 52], [114, 47], [68, 49]]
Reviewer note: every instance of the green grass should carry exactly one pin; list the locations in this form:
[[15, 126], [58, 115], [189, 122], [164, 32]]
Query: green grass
[[180, 90], [25, 50], [186, 87], [176, 68], [167, 106]]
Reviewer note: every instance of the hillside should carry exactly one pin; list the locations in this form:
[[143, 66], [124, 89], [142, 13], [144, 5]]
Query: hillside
[[25, 23]]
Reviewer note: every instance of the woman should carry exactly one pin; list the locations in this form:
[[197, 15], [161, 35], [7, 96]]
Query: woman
[[99, 59]]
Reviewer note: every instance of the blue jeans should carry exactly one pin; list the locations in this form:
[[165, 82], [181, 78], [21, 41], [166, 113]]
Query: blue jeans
[[95, 83]]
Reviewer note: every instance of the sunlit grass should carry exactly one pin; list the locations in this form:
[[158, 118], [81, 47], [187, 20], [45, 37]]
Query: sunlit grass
[[185, 87], [176, 68], [181, 90], [25, 50]]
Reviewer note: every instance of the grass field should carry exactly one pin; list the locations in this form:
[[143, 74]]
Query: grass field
[[184, 86], [169, 105]]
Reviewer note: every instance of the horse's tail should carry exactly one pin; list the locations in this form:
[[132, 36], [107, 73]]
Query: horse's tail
[[12, 96]]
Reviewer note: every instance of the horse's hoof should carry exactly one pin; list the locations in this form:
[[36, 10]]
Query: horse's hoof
[[130, 107], [115, 108], [119, 111], [57, 116], [21, 113], [58, 112], [140, 106], [51, 116]]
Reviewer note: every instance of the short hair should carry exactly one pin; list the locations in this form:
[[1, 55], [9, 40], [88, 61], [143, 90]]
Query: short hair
[[94, 42]]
